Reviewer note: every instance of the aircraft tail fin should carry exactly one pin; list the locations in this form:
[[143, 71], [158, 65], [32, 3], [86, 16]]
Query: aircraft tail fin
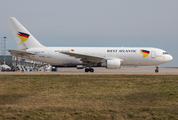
[[24, 39]]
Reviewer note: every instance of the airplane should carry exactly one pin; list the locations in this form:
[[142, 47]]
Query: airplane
[[108, 57]]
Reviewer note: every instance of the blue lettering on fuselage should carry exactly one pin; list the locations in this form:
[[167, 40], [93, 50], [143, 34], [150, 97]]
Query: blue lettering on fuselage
[[112, 50], [127, 51], [122, 51]]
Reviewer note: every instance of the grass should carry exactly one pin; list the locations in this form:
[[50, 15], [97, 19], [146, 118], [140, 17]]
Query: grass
[[88, 97]]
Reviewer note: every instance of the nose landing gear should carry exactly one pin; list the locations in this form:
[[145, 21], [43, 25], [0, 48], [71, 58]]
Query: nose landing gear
[[157, 70]]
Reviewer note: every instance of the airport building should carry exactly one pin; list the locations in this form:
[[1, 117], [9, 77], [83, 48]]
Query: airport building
[[10, 61], [7, 59]]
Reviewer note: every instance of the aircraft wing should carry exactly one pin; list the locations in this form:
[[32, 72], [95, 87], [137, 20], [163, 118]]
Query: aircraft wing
[[18, 53], [85, 58]]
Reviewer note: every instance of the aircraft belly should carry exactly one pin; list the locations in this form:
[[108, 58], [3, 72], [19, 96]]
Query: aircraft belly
[[72, 61]]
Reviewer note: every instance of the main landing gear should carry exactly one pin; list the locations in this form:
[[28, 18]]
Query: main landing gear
[[157, 70], [89, 69]]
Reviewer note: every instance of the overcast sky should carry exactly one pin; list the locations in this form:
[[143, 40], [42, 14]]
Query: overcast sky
[[96, 23]]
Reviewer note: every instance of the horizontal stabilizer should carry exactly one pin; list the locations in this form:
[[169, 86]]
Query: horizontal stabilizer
[[18, 53]]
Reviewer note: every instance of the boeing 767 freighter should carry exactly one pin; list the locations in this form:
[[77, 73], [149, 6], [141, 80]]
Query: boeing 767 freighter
[[109, 57]]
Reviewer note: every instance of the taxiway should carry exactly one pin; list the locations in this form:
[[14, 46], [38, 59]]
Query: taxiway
[[104, 71]]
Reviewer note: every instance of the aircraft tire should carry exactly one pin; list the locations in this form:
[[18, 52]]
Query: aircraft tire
[[156, 71], [86, 70], [91, 70]]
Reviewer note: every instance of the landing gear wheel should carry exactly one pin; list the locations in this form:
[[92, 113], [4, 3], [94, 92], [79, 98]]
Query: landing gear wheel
[[156, 70], [86, 69], [91, 70]]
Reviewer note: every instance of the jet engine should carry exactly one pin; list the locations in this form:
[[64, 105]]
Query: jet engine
[[111, 64]]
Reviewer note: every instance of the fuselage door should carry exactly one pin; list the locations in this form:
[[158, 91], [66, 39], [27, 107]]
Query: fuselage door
[[153, 54], [48, 55]]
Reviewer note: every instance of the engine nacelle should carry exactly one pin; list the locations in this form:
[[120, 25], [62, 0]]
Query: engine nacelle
[[114, 64], [111, 64]]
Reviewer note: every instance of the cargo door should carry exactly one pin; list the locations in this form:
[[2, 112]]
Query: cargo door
[[48, 57]]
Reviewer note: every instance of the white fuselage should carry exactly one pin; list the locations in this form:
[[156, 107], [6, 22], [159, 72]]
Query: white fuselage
[[128, 55], [109, 57]]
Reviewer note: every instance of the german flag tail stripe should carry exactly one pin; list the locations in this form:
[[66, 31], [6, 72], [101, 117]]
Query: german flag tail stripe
[[23, 34]]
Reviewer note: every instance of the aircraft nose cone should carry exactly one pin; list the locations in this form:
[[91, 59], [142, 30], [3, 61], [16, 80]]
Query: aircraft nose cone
[[169, 58]]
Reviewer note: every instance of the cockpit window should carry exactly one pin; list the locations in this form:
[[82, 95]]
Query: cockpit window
[[165, 53]]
